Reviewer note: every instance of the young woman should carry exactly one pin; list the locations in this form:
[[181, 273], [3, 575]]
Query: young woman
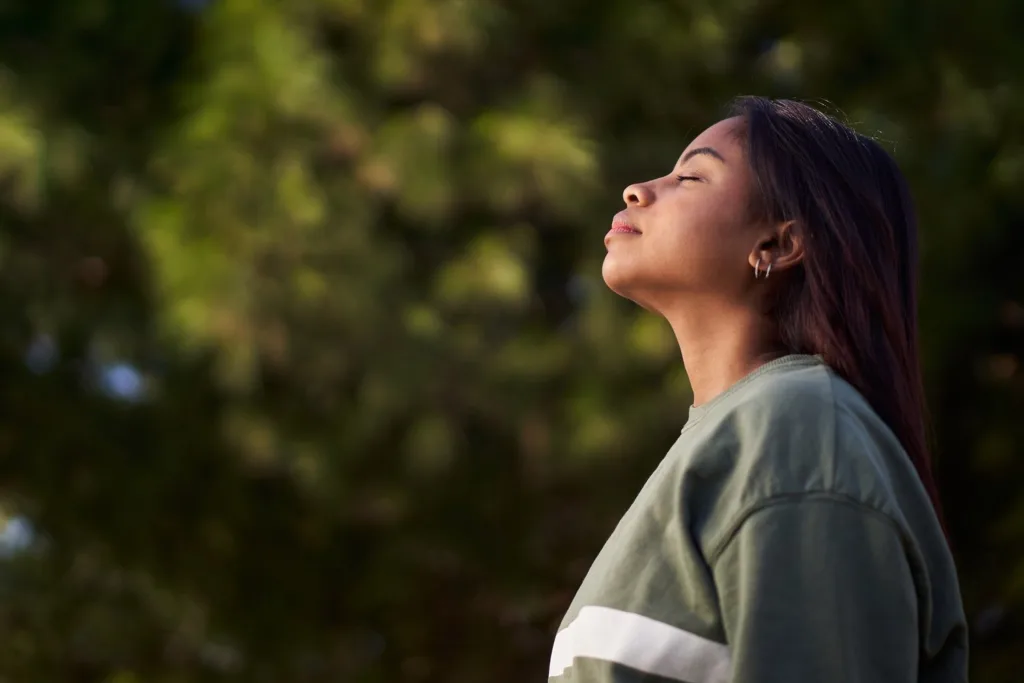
[[792, 533]]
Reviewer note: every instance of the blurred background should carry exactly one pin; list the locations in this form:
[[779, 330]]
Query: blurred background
[[307, 371]]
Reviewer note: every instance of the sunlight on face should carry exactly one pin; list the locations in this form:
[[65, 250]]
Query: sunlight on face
[[686, 233]]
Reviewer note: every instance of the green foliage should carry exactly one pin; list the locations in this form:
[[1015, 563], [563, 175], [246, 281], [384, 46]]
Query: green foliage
[[386, 410]]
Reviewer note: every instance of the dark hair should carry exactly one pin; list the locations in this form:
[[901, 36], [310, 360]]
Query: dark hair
[[853, 301]]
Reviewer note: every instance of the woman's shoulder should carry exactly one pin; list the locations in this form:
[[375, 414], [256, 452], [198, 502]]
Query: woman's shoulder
[[798, 403], [802, 431]]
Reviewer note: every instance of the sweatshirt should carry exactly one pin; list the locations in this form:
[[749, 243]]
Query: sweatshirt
[[785, 538]]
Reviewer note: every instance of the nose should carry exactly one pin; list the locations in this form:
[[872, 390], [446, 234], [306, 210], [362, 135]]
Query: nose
[[637, 194]]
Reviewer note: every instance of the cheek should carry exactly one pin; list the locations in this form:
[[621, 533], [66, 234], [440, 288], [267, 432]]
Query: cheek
[[692, 234], [708, 242]]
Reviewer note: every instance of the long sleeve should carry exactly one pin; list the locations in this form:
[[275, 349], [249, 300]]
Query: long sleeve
[[818, 589]]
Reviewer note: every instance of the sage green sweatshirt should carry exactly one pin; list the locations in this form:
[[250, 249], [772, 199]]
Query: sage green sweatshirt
[[784, 538]]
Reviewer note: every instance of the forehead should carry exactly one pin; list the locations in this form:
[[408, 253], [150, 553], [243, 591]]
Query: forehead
[[722, 137]]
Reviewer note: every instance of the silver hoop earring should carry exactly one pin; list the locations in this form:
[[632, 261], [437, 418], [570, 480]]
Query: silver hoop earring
[[768, 272], [757, 269]]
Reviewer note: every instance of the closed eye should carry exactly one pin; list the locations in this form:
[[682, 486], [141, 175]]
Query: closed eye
[[682, 178]]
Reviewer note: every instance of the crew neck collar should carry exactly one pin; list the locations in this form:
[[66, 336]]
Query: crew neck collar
[[788, 361]]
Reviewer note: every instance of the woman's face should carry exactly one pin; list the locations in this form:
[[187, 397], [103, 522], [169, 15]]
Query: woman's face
[[689, 232]]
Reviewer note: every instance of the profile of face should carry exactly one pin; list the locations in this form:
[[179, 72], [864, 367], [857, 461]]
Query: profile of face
[[690, 234]]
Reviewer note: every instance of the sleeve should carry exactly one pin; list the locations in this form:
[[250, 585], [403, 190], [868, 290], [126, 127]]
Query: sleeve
[[816, 590]]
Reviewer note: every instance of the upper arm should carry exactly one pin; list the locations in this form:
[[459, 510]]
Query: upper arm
[[818, 589]]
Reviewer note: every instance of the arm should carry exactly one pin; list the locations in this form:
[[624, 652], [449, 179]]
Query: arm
[[818, 589]]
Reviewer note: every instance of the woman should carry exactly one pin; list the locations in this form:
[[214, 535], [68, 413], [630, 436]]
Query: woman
[[793, 532]]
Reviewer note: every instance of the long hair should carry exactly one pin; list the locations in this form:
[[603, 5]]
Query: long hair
[[853, 300]]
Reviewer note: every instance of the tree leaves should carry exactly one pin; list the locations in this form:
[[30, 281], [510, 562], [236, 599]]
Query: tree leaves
[[350, 251]]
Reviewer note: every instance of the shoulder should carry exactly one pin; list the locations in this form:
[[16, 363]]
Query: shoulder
[[799, 432], [786, 417], [800, 400]]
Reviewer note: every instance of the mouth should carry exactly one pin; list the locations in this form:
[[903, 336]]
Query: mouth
[[621, 224]]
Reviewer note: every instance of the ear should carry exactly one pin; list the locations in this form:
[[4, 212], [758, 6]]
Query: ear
[[781, 245]]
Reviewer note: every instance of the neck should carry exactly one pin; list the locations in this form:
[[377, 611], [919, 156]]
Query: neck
[[722, 346]]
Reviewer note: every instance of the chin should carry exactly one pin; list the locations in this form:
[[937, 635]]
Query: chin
[[624, 283], [614, 277], [619, 279]]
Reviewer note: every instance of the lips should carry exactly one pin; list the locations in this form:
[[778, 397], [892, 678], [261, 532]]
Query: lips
[[621, 224]]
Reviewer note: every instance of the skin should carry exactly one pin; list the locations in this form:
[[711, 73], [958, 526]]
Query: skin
[[693, 262]]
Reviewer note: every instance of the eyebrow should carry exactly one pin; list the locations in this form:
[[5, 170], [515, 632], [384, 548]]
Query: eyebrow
[[709, 151]]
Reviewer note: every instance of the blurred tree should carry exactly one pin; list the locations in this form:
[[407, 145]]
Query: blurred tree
[[309, 373]]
